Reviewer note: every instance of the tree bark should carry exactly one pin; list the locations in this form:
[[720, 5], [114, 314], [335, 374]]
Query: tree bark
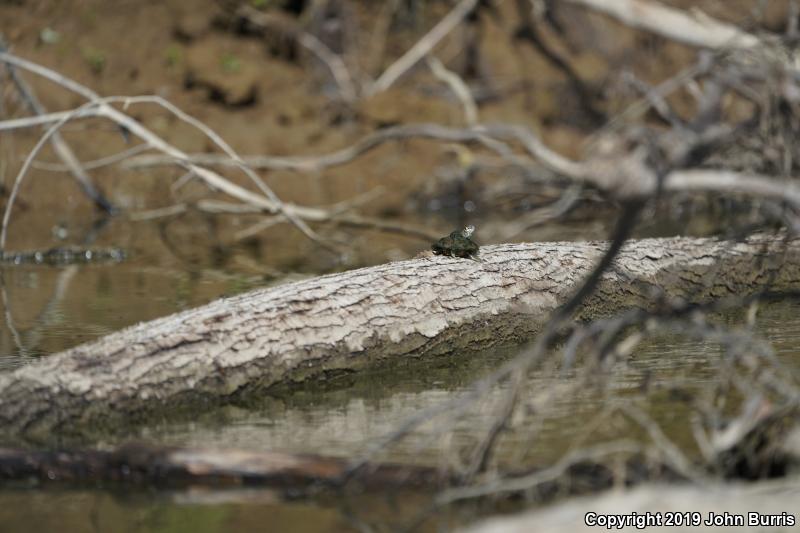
[[345, 321]]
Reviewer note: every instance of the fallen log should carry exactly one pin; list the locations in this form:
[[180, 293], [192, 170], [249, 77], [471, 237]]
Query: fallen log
[[141, 465], [145, 466], [345, 321]]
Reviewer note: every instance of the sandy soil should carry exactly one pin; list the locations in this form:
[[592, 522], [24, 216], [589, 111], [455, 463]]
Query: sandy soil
[[264, 97]]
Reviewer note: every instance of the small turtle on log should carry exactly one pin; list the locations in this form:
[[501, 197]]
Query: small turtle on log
[[457, 244]]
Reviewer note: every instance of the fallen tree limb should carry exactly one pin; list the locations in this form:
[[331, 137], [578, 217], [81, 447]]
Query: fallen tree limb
[[692, 28], [157, 466], [101, 107], [60, 146], [173, 467], [427, 43], [353, 319]]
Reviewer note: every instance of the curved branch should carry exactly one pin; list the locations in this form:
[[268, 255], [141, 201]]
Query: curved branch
[[423, 46], [695, 30]]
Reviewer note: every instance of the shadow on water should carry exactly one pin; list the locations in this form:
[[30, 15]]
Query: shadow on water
[[342, 416]]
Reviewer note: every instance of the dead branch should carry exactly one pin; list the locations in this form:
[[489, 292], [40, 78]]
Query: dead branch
[[268, 203], [553, 475], [423, 47], [334, 63], [458, 86], [617, 173], [112, 159], [60, 146], [100, 107], [694, 29], [724, 181], [339, 157], [620, 174], [149, 466], [528, 32]]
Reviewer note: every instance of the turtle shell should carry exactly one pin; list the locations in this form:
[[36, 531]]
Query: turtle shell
[[455, 245]]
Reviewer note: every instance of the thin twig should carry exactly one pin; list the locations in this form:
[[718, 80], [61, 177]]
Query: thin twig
[[543, 215], [9, 318], [271, 202], [12, 124], [335, 216], [693, 29], [153, 214], [337, 67], [423, 47], [24, 169], [94, 164], [345, 155], [672, 453], [535, 479], [458, 86], [60, 146]]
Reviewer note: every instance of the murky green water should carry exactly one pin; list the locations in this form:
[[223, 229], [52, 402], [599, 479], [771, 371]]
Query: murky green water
[[83, 511], [53, 308], [343, 416]]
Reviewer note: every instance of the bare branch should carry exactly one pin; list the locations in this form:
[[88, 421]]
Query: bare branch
[[423, 47], [24, 169], [112, 159], [100, 106], [696, 29], [345, 155], [459, 88], [727, 182], [60, 146], [337, 67]]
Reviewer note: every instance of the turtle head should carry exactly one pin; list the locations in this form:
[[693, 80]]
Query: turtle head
[[468, 231]]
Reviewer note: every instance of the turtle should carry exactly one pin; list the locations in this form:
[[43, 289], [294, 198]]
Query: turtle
[[457, 244]]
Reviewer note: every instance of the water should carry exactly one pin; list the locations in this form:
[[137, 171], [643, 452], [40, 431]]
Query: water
[[342, 417], [54, 308]]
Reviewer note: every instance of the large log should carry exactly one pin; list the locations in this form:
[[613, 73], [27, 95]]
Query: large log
[[345, 321]]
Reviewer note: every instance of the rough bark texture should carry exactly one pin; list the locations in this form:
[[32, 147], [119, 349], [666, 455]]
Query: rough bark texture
[[398, 310]]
